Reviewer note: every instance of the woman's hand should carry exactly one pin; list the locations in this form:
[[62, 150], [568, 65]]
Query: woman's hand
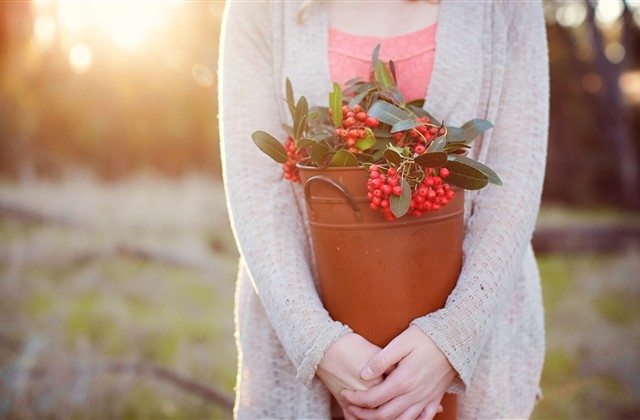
[[341, 365], [413, 389]]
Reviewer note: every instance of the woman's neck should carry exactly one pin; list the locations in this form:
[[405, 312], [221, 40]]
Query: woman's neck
[[382, 19]]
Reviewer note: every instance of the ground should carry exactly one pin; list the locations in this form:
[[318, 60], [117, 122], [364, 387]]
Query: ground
[[103, 285]]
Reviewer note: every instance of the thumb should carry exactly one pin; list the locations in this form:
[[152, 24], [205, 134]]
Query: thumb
[[384, 360]]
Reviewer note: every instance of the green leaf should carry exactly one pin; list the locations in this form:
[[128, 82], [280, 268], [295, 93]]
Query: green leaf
[[380, 144], [474, 128], [270, 146], [318, 153], [437, 145], [405, 125], [304, 142], [417, 103], [484, 169], [393, 94], [392, 156], [353, 81], [455, 147], [387, 113], [290, 100], [382, 133], [378, 155], [322, 136], [382, 75], [367, 141], [431, 159], [344, 158], [400, 204], [376, 54], [465, 176], [455, 134], [358, 98], [300, 120], [421, 112], [335, 103], [359, 88], [392, 67]]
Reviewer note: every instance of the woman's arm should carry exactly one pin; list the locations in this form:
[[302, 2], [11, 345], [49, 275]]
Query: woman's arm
[[266, 221], [503, 218], [499, 232]]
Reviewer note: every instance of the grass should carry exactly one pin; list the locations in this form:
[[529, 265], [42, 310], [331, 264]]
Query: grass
[[142, 286], [95, 281], [593, 336]]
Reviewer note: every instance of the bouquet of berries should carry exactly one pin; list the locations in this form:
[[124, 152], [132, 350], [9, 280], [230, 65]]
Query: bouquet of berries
[[413, 159]]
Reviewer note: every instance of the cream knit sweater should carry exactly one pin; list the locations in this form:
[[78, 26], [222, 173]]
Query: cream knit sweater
[[491, 62]]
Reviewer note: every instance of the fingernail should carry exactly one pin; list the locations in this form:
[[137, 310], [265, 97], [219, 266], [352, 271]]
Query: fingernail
[[367, 373]]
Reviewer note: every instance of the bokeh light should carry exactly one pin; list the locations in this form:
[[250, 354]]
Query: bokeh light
[[608, 11], [80, 58], [44, 30], [126, 24], [202, 75], [614, 52], [571, 14]]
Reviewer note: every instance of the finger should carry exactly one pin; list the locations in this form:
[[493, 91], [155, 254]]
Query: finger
[[391, 410], [386, 358], [431, 410], [412, 412], [347, 415], [379, 394]]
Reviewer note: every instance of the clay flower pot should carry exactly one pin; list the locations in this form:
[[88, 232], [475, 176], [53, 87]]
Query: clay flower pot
[[377, 276]]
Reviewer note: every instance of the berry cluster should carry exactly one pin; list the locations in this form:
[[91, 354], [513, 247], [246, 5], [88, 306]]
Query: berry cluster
[[421, 136], [354, 122], [381, 187], [291, 171], [431, 194]]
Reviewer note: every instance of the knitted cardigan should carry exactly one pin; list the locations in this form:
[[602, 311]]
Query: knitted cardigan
[[491, 62]]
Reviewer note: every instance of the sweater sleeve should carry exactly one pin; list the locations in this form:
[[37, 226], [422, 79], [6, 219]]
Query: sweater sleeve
[[501, 224], [267, 223]]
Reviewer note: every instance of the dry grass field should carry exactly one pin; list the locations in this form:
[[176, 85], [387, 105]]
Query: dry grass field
[[116, 302]]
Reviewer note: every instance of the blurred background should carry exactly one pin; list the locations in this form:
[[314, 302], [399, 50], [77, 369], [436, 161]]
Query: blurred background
[[117, 264]]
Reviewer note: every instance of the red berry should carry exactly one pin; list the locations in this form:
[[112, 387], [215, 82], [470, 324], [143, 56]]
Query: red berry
[[444, 172], [372, 122], [361, 116], [357, 108]]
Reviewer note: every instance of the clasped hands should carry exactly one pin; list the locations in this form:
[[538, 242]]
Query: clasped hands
[[405, 380]]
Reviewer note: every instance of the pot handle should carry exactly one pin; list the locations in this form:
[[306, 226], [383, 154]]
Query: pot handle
[[307, 195]]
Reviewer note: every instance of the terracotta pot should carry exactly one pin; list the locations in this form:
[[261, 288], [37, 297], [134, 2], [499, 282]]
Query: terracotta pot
[[377, 276]]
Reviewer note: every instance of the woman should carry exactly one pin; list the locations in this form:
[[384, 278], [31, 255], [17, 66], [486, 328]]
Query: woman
[[487, 343]]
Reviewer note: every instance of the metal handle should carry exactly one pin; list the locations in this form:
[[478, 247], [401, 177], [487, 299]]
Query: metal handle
[[315, 178]]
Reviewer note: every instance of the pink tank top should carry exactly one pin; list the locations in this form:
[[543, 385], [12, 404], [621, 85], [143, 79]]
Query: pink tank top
[[412, 54]]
